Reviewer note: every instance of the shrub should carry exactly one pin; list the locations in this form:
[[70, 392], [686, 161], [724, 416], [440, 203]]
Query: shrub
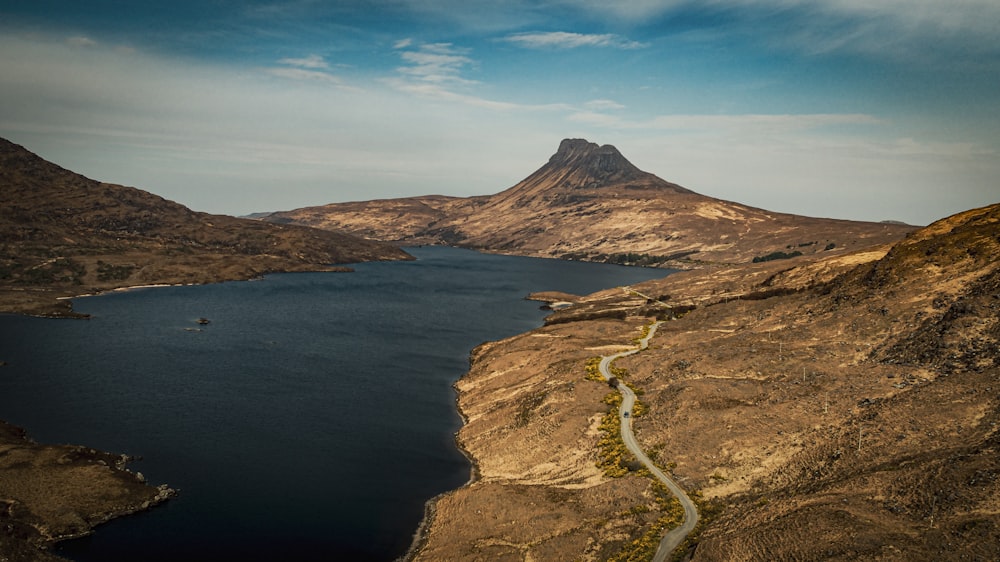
[[111, 272], [777, 256], [594, 370]]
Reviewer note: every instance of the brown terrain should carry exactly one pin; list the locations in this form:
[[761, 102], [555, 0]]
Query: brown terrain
[[590, 203], [62, 235], [828, 407], [840, 404], [55, 492]]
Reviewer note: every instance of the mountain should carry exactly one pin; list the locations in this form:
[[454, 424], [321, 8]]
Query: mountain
[[841, 406], [589, 202], [62, 234]]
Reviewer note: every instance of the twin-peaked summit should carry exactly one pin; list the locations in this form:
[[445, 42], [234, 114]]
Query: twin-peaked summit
[[591, 165], [579, 164], [589, 202]]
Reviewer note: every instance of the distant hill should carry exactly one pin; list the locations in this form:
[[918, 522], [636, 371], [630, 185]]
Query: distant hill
[[588, 202], [62, 234]]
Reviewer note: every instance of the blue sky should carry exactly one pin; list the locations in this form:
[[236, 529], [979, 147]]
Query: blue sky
[[843, 108]]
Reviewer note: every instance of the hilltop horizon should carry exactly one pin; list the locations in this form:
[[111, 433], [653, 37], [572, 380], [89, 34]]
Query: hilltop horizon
[[589, 202], [867, 112]]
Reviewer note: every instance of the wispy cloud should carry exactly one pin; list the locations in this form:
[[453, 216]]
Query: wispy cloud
[[438, 63], [311, 61], [624, 11], [603, 105], [440, 93], [81, 41], [435, 72], [887, 29], [312, 68], [567, 40], [721, 124], [304, 74], [920, 32]]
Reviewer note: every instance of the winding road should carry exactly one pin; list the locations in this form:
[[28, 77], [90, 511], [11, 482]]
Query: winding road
[[675, 536]]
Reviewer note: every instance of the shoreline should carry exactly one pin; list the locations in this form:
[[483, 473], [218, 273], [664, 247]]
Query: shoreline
[[125, 290], [57, 301], [422, 533]]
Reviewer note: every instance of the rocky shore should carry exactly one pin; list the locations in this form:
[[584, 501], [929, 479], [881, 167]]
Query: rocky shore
[[50, 493]]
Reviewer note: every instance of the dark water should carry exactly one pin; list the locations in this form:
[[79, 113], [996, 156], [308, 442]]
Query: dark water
[[310, 420]]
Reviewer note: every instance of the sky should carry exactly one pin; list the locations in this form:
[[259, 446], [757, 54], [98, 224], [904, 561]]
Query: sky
[[886, 110]]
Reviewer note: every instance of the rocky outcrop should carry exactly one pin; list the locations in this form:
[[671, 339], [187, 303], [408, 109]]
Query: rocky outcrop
[[591, 166]]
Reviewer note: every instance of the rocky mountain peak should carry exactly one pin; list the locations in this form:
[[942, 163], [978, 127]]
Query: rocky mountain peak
[[602, 163], [593, 164]]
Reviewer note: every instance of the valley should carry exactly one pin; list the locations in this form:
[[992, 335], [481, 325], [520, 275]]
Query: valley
[[821, 388]]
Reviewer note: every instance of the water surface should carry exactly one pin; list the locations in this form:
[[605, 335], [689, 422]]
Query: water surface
[[310, 420]]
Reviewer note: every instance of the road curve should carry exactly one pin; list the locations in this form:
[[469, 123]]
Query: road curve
[[675, 536]]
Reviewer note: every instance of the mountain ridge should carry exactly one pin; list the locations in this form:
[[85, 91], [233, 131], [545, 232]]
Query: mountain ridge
[[588, 202], [62, 234]]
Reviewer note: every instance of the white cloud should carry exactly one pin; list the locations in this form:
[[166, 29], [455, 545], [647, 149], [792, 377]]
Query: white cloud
[[304, 74], [921, 32], [626, 10], [567, 40], [312, 68], [723, 124], [885, 29], [435, 73], [981, 17], [437, 63], [223, 140], [603, 105], [440, 93], [311, 61], [954, 15], [81, 41], [848, 176]]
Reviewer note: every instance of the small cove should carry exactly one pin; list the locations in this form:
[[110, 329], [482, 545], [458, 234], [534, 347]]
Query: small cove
[[310, 420]]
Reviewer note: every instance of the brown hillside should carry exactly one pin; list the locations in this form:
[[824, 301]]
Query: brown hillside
[[62, 234], [589, 202], [835, 408]]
